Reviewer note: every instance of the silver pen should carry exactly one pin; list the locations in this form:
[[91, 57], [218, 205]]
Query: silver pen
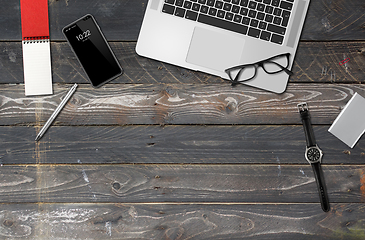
[[56, 112]]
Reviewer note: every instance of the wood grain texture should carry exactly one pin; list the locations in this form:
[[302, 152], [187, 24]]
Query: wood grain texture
[[261, 144], [164, 152], [315, 62], [121, 20], [176, 104], [130, 221], [277, 183], [165, 221], [335, 20]]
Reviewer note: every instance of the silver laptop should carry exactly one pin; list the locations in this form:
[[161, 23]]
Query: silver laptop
[[214, 35]]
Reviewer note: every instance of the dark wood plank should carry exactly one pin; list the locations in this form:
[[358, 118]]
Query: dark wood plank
[[121, 20], [261, 144], [166, 221], [323, 62], [314, 62], [119, 104], [335, 20], [278, 183], [136, 160], [118, 19]]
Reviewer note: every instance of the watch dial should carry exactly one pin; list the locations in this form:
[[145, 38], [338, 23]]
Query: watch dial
[[313, 154]]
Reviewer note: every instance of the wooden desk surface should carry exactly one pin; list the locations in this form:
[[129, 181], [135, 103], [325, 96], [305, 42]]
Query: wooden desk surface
[[168, 153]]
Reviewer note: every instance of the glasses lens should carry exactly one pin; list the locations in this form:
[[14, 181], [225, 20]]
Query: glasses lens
[[273, 65], [244, 73]]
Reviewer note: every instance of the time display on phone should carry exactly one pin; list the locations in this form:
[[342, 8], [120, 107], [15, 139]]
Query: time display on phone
[[83, 36]]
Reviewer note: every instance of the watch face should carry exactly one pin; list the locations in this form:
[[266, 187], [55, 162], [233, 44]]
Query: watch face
[[313, 154]]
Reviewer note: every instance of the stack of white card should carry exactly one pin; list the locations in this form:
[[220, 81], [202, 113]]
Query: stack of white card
[[349, 126]]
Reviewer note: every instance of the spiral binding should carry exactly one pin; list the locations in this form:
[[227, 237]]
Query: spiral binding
[[28, 40]]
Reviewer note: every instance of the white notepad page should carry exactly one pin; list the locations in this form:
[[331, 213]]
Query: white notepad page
[[349, 126], [37, 67]]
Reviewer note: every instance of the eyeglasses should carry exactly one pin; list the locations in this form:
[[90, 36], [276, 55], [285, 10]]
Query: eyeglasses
[[246, 72]]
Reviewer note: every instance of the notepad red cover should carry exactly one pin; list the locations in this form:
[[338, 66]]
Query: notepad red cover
[[34, 17], [36, 47]]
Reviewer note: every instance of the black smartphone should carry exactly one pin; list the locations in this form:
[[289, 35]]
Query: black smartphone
[[92, 50]]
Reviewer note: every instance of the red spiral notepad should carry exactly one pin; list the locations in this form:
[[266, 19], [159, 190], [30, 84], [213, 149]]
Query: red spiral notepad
[[36, 47]]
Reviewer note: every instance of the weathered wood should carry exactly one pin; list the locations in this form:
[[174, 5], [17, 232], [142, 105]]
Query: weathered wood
[[166, 221], [121, 20], [120, 104], [261, 144], [314, 62], [102, 172], [276, 183]]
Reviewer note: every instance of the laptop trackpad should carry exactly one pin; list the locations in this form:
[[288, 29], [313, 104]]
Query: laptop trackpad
[[213, 50]]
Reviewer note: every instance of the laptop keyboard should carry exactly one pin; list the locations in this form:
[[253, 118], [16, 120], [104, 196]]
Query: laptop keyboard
[[263, 19]]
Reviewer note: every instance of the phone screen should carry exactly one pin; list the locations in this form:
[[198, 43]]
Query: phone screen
[[92, 50]]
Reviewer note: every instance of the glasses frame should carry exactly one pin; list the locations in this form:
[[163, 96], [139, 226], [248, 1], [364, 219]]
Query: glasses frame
[[234, 81]]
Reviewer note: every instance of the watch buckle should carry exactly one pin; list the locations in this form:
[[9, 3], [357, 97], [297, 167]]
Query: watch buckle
[[302, 107]]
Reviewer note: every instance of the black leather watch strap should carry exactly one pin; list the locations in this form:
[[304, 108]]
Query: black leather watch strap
[[314, 155], [322, 190], [307, 125]]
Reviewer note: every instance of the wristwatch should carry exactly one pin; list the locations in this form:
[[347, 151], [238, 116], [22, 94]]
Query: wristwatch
[[313, 154]]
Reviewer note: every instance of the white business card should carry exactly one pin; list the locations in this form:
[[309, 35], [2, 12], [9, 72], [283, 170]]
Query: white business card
[[349, 125]]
